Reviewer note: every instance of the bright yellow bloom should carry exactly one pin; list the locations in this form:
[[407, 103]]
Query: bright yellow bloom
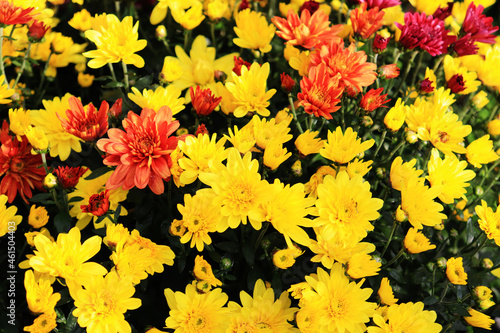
[[171, 70], [357, 167], [480, 151], [494, 127], [61, 142], [199, 153], [343, 147], [486, 66], [203, 271], [149, 99], [160, 11], [5, 91], [311, 187], [216, 9], [300, 61], [39, 294], [249, 90], [385, 293], [242, 139], [188, 13], [30, 236], [479, 319], [489, 221], [19, 121], [116, 41], [449, 173], [452, 66], [85, 80], [483, 293], [37, 139], [8, 218], [115, 234], [38, 217], [427, 6], [275, 154], [346, 207], [44, 323], [66, 258], [81, 20], [395, 117], [284, 258], [101, 304], [361, 265], [158, 254], [480, 100], [131, 261], [416, 242], [227, 103], [401, 172], [267, 130], [239, 189], [307, 143], [455, 271], [253, 31], [195, 312], [200, 218]]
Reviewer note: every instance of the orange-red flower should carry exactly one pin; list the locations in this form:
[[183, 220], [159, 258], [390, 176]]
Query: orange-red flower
[[366, 22], [320, 92], [11, 14], [20, 169], [36, 31], [141, 153], [390, 71], [203, 101], [373, 100], [350, 65], [98, 204], [309, 31], [68, 177], [87, 125]]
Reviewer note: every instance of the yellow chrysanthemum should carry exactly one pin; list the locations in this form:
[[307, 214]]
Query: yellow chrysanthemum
[[198, 153], [200, 217], [19, 121], [385, 293], [66, 258], [101, 304], [483, 293], [5, 91], [8, 218], [300, 61], [115, 234], [416, 242], [131, 261], [267, 130], [401, 172], [159, 254], [85, 189], [195, 312], [81, 20], [116, 41], [361, 265], [395, 117], [460, 80], [485, 65], [188, 13], [253, 31], [85, 80], [357, 167], [39, 293], [44, 323], [275, 154], [455, 271], [307, 143], [494, 127], [38, 216], [242, 139], [171, 70], [249, 90], [479, 319], [37, 139], [343, 147], [489, 221], [284, 258], [61, 142], [203, 271], [480, 151], [217, 9], [30, 236], [311, 187]]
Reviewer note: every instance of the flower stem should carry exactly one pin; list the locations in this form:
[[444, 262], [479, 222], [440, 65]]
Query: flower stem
[[380, 144], [443, 294], [22, 65], [187, 37], [290, 99], [408, 67], [393, 260], [2, 67], [212, 33], [393, 230], [44, 161], [492, 183], [125, 76], [402, 143], [110, 65]]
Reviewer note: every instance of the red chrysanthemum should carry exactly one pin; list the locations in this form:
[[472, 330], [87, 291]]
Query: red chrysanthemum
[[203, 101], [373, 100], [10, 14], [381, 4], [308, 31], [320, 92], [349, 65], [380, 43], [366, 22], [36, 31], [443, 12], [479, 25], [426, 86], [465, 45], [98, 204], [20, 169], [141, 153], [311, 6], [426, 33], [116, 110], [287, 83], [238, 62], [456, 83], [68, 177], [88, 125]]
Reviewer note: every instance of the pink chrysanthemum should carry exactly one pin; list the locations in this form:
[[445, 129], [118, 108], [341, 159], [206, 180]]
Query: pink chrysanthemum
[[381, 4], [479, 25], [424, 32], [141, 153]]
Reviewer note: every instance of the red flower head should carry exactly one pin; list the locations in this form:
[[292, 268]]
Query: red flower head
[[381, 4], [366, 22], [10, 14], [244, 4], [87, 125], [116, 110], [36, 31], [466, 45], [238, 62], [380, 43], [320, 92], [203, 101], [287, 83], [98, 204], [456, 83], [373, 100], [443, 12], [479, 25], [141, 153], [349, 65], [390, 71], [424, 32], [20, 169], [311, 6], [426, 86], [201, 130], [308, 31], [68, 177]]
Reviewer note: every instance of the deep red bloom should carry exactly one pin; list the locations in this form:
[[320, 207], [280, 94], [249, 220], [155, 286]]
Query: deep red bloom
[[426, 86], [373, 100], [287, 83], [443, 12], [238, 62], [426, 33], [244, 4], [20, 169], [390, 71], [311, 6], [98, 204], [116, 110], [479, 25], [366, 22], [381, 4], [308, 31], [380, 43], [466, 45], [141, 153], [36, 31], [320, 92], [456, 83], [68, 177], [203, 101], [201, 130], [87, 125], [11, 14]]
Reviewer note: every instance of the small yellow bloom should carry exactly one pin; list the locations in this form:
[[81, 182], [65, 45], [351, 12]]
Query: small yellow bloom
[[385, 293], [8, 218], [489, 221], [361, 265], [116, 234], [416, 242], [494, 127], [44, 323], [50, 181], [30, 236], [171, 70], [5, 91], [189, 14], [480, 152], [216, 9], [253, 31], [284, 259], [455, 271], [37, 139], [203, 271], [38, 217], [81, 20], [395, 118], [343, 147], [242, 139], [482, 292], [401, 172], [459, 79], [358, 167], [177, 228], [307, 143], [311, 187], [284, 116], [480, 100], [275, 154], [149, 99], [479, 319], [19, 121], [39, 294], [85, 80]]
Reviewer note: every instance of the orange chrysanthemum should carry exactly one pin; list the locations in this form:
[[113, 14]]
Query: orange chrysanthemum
[[88, 125], [308, 31], [373, 100], [366, 22], [320, 92], [141, 152], [11, 14], [350, 65]]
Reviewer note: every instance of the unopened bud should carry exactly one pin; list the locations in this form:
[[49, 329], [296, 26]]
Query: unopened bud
[[486, 263], [226, 263], [366, 121], [297, 168], [161, 32], [50, 181], [441, 262]]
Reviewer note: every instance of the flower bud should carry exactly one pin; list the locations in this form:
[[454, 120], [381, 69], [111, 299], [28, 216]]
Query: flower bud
[[380, 43], [226, 263], [366, 121], [297, 168], [36, 31], [411, 137], [453, 233], [287, 83], [400, 214], [161, 32], [486, 263], [50, 181], [479, 191], [441, 262]]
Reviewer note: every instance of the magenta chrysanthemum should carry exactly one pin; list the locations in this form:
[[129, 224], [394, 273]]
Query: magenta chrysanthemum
[[479, 25]]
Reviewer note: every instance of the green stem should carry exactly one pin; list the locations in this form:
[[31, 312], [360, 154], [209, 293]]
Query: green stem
[[297, 122], [187, 37], [443, 294], [212, 33], [22, 65], [477, 249], [415, 72], [44, 161], [261, 235], [438, 63], [310, 122], [393, 260], [492, 183], [111, 69], [125, 76], [493, 113], [393, 230], [402, 143], [407, 70], [380, 143], [2, 67]]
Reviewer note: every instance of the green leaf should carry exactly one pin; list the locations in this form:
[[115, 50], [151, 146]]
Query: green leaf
[[114, 85], [40, 197], [248, 253], [71, 321], [62, 222], [117, 213], [144, 82], [458, 310], [431, 300], [98, 173], [75, 199], [231, 247]]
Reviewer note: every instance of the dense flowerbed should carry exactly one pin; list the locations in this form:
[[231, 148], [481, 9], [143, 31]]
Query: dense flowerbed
[[249, 166]]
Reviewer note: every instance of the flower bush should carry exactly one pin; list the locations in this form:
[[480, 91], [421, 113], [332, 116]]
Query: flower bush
[[253, 166]]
